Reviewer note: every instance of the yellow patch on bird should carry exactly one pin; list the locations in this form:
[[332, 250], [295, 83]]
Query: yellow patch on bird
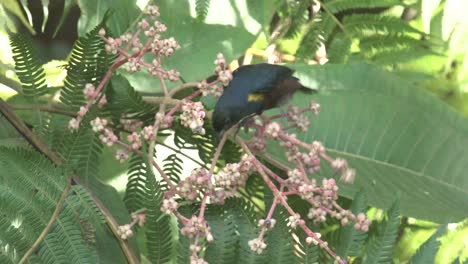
[[255, 97]]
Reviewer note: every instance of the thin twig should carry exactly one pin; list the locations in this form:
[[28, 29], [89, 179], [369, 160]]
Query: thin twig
[[280, 196], [111, 222], [183, 87], [43, 108], [273, 161], [213, 165], [49, 225], [338, 23]]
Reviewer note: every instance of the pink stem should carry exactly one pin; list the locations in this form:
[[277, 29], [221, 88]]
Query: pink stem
[[179, 105], [285, 204]]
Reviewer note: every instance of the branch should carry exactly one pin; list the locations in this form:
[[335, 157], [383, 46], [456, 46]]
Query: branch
[[48, 226], [336, 20], [170, 102], [111, 222], [182, 87], [43, 108], [27, 133], [161, 100]]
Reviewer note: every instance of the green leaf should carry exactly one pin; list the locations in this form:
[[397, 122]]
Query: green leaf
[[337, 6], [15, 8], [159, 236], [245, 219], [68, 4], [428, 8], [123, 94], [86, 65], [201, 7], [398, 137], [350, 239], [225, 246], [280, 244], [173, 167], [30, 72], [366, 24], [135, 191], [123, 15], [381, 245], [27, 66], [81, 151], [426, 252], [108, 246]]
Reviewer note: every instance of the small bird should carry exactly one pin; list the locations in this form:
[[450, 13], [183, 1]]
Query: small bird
[[253, 89]]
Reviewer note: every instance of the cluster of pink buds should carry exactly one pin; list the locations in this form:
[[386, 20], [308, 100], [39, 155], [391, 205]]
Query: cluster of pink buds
[[299, 117], [362, 223], [257, 245], [121, 155], [169, 206], [267, 223], [164, 121], [314, 240], [192, 116], [134, 139], [148, 133], [195, 259], [89, 91], [216, 88], [152, 11], [130, 124], [224, 74], [125, 231], [164, 47], [90, 94], [234, 175], [130, 46], [213, 89], [341, 165], [196, 226], [198, 180], [98, 124], [108, 137]]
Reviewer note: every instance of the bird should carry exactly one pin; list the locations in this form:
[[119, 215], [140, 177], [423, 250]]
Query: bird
[[253, 89]]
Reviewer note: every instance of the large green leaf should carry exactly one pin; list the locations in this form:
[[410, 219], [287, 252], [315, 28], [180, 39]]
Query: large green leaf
[[230, 28], [397, 136], [123, 14]]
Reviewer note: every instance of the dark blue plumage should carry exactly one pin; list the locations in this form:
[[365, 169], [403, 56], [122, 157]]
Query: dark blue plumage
[[253, 89]]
